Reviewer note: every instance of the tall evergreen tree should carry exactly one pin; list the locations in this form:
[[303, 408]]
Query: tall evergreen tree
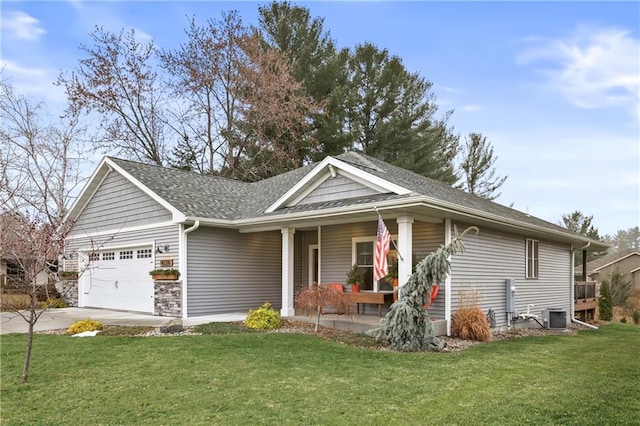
[[391, 115], [477, 167], [316, 64], [370, 102], [579, 223]]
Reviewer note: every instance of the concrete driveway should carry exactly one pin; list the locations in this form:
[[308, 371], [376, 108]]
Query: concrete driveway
[[53, 319]]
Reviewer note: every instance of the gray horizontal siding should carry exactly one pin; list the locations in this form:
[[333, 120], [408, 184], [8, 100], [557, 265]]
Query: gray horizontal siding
[[491, 257], [427, 238], [232, 272], [337, 247], [165, 235], [337, 188], [118, 204]]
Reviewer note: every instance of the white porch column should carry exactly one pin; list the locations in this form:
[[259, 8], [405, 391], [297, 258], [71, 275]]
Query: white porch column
[[287, 272], [405, 248], [447, 283]]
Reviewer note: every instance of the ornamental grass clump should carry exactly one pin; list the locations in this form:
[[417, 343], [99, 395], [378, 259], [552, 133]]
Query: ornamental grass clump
[[263, 318], [469, 322], [84, 325]]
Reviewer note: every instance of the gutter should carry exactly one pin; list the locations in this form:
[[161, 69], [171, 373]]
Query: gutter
[[183, 263], [573, 289]]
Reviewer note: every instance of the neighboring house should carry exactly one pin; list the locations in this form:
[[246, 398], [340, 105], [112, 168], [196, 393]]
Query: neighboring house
[[239, 244], [12, 276], [626, 263]]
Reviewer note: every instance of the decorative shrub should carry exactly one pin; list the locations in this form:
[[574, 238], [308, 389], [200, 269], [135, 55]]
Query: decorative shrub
[[84, 325], [636, 317], [313, 299], [620, 286], [623, 320], [55, 302], [605, 304], [263, 318], [469, 322]]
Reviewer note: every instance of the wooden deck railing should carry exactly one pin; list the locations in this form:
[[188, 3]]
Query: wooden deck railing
[[585, 299]]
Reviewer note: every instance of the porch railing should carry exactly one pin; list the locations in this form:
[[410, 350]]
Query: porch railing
[[585, 299]]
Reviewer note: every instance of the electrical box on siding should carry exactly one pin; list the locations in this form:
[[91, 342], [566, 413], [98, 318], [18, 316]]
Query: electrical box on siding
[[510, 290]]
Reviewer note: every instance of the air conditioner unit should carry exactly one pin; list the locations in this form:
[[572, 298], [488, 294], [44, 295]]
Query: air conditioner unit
[[554, 318]]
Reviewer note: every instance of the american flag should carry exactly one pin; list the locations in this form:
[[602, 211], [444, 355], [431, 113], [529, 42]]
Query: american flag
[[383, 239]]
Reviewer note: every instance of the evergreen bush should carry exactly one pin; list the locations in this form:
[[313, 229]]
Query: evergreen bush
[[636, 317], [263, 318], [620, 288], [605, 304]]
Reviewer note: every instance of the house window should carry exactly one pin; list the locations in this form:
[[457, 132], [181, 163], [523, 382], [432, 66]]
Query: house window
[[364, 260], [143, 254], [363, 248], [532, 259], [127, 254], [94, 257], [108, 255]]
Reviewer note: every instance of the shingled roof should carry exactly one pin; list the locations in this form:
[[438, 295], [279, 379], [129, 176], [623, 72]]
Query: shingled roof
[[203, 196]]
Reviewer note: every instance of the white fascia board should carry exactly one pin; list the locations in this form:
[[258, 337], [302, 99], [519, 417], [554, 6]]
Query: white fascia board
[[177, 215], [351, 171], [635, 253], [499, 220], [120, 230]]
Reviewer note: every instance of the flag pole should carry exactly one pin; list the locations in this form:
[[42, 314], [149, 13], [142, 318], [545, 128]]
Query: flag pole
[[392, 242]]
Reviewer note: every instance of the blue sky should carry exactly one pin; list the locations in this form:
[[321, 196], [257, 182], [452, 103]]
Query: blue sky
[[554, 86]]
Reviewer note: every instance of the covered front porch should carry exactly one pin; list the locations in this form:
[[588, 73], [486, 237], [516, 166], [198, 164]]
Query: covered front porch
[[326, 252]]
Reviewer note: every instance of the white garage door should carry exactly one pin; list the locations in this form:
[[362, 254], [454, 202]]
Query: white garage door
[[119, 279]]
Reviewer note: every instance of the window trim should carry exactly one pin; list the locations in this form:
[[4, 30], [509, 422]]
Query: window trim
[[372, 240], [533, 257]]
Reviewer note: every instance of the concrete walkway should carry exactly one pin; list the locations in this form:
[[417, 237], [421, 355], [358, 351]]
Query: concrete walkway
[[53, 319]]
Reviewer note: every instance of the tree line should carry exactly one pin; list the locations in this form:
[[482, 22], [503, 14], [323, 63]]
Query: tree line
[[250, 102]]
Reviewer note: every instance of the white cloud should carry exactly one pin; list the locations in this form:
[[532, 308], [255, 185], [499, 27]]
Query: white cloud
[[33, 81], [591, 68], [471, 108], [22, 26]]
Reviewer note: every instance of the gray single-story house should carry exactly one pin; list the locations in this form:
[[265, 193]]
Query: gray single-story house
[[240, 244]]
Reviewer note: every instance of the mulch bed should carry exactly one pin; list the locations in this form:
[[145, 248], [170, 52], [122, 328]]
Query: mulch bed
[[332, 334]]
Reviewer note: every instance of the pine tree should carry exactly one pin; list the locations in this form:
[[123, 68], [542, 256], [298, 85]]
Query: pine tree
[[605, 304], [407, 326]]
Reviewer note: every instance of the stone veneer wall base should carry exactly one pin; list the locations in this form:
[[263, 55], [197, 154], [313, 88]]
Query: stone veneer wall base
[[167, 298]]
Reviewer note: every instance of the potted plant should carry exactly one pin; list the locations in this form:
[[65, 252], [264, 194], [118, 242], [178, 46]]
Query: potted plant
[[165, 274], [355, 277]]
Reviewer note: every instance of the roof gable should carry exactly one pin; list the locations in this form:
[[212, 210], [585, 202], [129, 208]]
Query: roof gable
[[362, 183], [107, 166], [618, 259]]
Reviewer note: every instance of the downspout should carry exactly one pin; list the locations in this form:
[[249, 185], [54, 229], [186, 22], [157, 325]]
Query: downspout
[[573, 288], [183, 265]]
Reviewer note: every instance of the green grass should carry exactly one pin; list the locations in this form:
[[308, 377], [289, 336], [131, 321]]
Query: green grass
[[279, 378]]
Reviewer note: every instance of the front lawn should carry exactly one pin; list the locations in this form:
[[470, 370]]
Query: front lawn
[[283, 378]]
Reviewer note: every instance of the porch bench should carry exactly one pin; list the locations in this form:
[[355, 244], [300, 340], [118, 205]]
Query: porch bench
[[375, 298]]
